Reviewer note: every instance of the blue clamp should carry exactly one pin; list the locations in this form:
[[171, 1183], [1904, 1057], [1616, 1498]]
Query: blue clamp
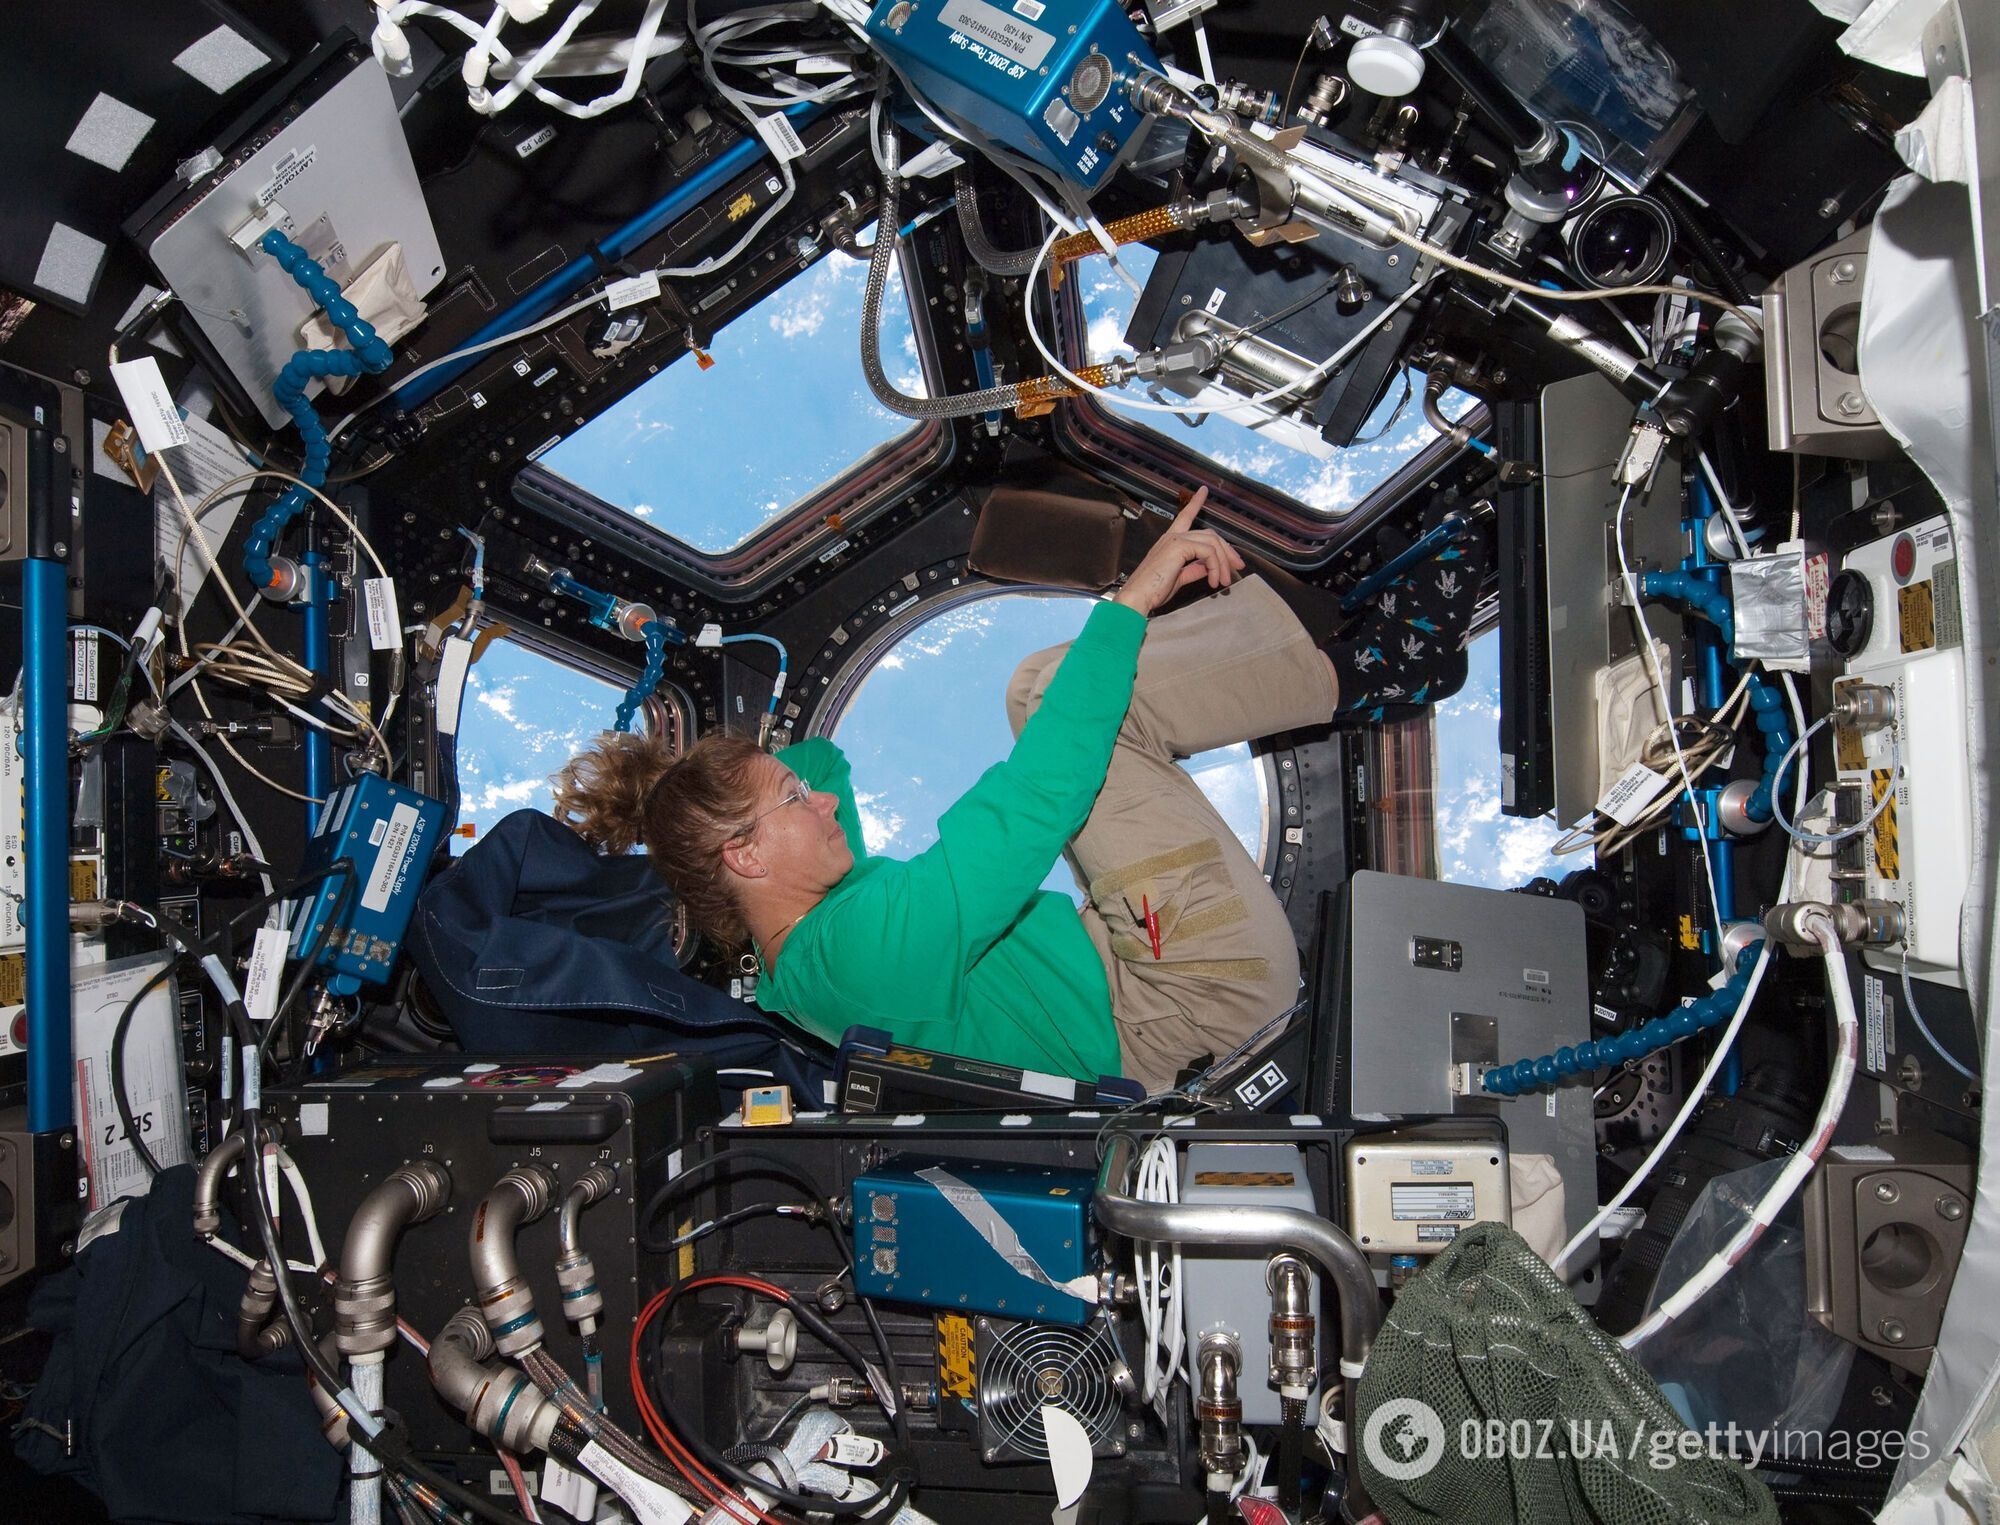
[[369, 356], [655, 634], [1696, 593], [1709, 1011]]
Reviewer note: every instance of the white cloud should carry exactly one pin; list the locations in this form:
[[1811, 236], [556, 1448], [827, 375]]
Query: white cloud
[[503, 797], [881, 824], [501, 702]]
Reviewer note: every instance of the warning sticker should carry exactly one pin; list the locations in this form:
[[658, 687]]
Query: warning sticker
[[954, 1355], [1888, 848], [1916, 613]]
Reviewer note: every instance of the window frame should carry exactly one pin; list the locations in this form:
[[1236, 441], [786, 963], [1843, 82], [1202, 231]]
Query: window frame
[[845, 682], [811, 528]]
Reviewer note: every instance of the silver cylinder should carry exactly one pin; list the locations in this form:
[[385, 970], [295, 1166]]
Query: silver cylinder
[[1218, 1405], [1293, 1353], [364, 1297], [501, 1404], [208, 1183], [332, 1417], [520, 1196], [576, 1274], [1732, 805], [1272, 1228]]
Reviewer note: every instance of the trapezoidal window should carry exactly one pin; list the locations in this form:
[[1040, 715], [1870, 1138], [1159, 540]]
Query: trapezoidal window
[[929, 716], [713, 456], [525, 714], [1329, 486]]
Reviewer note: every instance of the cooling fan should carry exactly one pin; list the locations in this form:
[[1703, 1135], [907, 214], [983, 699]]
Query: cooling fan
[[1021, 1367]]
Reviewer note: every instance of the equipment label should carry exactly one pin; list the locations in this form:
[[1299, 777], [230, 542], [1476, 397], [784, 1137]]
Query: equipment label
[[150, 403], [385, 631], [1876, 1061], [1455, 1203], [267, 968], [780, 137], [1637, 787], [1436, 1233], [633, 290], [285, 171], [984, 24], [391, 859]]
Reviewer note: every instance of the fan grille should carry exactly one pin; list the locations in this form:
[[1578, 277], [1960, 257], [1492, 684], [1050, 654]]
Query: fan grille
[[1024, 1366]]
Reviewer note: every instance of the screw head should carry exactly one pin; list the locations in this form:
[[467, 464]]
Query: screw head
[[1887, 1191], [60, 444], [1893, 1332], [1851, 404], [1829, 208], [1845, 271], [1950, 1209]]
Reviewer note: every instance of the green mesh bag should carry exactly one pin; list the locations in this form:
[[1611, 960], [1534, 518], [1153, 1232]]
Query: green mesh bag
[[1490, 1396]]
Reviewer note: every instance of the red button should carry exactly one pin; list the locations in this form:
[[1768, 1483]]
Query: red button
[[1903, 558], [21, 1030]]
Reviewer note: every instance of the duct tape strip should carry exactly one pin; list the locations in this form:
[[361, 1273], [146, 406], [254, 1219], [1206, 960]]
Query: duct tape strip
[[999, 1233]]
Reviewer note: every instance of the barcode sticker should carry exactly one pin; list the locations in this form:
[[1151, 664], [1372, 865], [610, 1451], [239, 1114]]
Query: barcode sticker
[[780, 137], [1637, 787], [150, 403], [385, 631], [823, 63], [633, 290]]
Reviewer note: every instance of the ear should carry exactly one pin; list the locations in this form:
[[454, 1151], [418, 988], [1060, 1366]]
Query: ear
[[742, 859]]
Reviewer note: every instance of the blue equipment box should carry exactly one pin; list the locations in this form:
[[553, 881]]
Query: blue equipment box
[[1046, 78], [973, 1234], [388, 833]]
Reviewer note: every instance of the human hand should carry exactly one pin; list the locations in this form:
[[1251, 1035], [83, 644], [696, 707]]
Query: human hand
[[1181, 556]]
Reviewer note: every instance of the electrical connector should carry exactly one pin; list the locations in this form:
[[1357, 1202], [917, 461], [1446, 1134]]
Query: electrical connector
[[1644, 448], [709, 637]]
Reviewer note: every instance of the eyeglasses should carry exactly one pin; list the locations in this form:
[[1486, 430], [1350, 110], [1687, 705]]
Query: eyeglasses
[[800, 793]]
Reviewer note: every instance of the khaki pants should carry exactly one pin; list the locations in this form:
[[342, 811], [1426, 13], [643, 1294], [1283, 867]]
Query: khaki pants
[[1230, 668]]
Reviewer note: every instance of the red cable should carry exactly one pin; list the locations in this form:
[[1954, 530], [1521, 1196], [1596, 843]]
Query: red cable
[[682, 1456]]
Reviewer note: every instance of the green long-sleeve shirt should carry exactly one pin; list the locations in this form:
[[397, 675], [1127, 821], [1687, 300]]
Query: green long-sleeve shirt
[[959, 949]]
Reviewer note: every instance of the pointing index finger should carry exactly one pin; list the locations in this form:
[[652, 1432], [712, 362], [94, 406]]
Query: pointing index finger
[[1185, 518]]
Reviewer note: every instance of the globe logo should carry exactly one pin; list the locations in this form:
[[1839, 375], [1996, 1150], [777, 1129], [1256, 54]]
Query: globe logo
[[1404, 1439]]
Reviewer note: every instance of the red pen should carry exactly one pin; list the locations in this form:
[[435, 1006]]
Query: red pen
[[1152, 924]]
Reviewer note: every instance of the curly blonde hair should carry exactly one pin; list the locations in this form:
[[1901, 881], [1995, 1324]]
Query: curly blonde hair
[[627, 791]]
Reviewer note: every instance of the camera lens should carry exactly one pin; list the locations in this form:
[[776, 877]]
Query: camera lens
[[1621, 241]]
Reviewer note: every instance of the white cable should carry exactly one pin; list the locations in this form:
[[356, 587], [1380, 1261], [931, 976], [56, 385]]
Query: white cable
[[1722, 503], [1698, 1092], [1201, 51], [1260, 401], [250, 841], [487, 50], [1824, 838], [249, 1262], [527, 332], [1159, 1271], [296, 1179], [1798, 1167], [1916, 1016], [1666, 707]]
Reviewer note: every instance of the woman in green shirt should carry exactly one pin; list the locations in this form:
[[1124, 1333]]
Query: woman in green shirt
[[1181, 950]]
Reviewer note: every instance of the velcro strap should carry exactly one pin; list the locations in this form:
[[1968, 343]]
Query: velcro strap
[[1120, 879]]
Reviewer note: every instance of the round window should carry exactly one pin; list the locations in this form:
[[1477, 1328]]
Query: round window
[[929, 715]]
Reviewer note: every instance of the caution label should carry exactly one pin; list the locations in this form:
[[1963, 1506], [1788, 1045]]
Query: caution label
[[1243, 1178], [954, 1356], [1888, 850], [1916, 614]]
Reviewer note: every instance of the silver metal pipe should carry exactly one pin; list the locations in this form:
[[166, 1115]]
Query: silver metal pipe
[[520, 1196], [1269, 1228], [1294, 1356], [576, 1273], [208, 1179], [256, 1335], [1218, 1407], [364, 1298], [499, 1403], [332, 1417]]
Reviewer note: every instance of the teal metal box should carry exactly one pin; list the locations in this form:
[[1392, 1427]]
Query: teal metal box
[[1047, 78], [974, 1234]]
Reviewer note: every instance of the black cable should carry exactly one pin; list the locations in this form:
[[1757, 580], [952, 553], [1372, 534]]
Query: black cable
[[653, 1245], [309, 964], [717, 1462], [388, 1453], [1704, 247], [780, 1165]]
